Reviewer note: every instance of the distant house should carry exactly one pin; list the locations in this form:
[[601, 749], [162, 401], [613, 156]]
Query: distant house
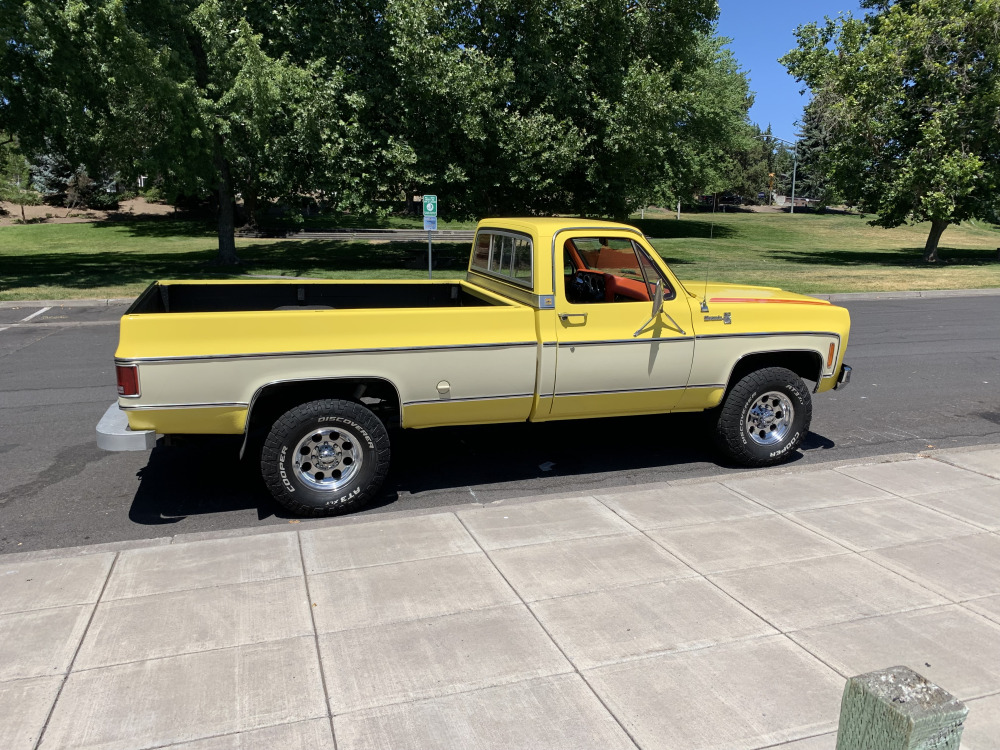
[[784, 200]]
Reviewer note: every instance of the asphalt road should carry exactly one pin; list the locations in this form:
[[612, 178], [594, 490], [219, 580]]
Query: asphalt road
[[926, 373]]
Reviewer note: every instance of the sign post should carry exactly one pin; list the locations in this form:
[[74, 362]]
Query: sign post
[[431, 225]]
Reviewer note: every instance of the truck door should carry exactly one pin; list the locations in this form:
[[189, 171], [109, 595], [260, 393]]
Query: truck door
[[613, 356]]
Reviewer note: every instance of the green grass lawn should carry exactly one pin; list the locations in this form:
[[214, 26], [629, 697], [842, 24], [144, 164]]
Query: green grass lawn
[[801, 252], [822, 253]]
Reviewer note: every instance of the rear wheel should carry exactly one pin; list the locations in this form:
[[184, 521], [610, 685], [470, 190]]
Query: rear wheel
[[764, 417], [325, 457]]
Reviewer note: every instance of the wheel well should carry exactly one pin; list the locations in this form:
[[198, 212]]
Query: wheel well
[[275, 399], [805, 364]]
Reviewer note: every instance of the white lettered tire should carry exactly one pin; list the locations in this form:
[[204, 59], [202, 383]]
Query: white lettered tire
[[764, 417], [325, 457]]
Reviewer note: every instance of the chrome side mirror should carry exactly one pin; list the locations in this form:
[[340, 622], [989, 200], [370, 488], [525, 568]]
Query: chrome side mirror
[[657, 299], [657, 309]]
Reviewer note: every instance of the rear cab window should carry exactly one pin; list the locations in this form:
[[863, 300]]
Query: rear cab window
[[505, 255]]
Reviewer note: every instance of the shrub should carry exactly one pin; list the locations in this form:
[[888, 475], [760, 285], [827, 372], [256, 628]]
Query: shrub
[[102, 201], [153, 195]]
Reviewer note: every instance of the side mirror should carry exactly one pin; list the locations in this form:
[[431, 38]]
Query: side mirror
[[657, 299], [657, 309]]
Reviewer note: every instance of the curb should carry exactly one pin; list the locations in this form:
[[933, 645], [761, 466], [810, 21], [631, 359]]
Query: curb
[[835, 297], [919, 294], [15, 304], [355, 519]]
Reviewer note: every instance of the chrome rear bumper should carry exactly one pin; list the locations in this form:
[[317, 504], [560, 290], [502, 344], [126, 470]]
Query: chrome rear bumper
[[114, 434]]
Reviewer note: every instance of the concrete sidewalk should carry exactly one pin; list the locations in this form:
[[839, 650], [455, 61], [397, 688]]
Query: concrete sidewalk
[[689, 615]]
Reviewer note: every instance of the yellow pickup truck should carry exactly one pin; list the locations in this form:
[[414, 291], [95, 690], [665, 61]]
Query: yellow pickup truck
[[556, 319]]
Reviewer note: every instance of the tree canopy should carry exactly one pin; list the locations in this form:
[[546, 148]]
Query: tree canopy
[[594, 107], [910, 96]]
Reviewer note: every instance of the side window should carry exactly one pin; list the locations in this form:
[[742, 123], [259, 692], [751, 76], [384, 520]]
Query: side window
[[481, 253], [504, 254], [609, 269], [522, 260], [652, 274]]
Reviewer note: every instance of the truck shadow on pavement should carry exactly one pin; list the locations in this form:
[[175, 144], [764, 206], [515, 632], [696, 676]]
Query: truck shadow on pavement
[[448, 466], [196, 476]]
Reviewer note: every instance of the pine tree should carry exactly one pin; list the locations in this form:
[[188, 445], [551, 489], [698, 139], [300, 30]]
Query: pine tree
[[814, 142], [15, 178]]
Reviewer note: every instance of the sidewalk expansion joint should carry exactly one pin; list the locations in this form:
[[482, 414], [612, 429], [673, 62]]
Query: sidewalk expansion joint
[[315, 637], [958, 466], [197, 652], [209, 587], [554, 642], [687, 564], [231, 734], [785, 743], [76, 652]]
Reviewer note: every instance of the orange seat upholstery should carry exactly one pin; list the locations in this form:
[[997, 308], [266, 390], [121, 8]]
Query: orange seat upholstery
[[630, 288]]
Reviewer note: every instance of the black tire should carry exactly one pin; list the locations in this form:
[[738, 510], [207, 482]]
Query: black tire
[[769, 435], [325, 457]]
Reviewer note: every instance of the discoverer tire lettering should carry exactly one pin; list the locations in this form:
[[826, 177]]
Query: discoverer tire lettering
[[764, 417], [325, 457]]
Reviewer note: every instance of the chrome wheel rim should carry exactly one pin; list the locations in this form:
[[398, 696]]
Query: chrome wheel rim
[[328, 459], [769, 418]]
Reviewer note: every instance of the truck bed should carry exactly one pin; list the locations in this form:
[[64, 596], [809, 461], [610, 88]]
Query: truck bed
[[161, 297]]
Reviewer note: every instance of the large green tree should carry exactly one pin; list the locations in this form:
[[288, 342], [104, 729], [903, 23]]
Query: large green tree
[[181, 89], [911, 98], [502, 106], [512, 106], [603, 107]]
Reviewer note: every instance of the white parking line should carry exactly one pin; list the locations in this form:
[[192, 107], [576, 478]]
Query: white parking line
[[24, 320], [33, 315]]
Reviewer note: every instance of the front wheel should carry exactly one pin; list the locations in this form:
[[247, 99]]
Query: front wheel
[[325, 457], [764, 417]]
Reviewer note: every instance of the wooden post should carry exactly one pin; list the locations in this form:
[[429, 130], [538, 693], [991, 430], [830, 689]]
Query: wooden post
[[897, 709]]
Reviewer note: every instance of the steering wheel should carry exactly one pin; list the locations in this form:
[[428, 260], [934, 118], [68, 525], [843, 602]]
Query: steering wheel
[[587, 286]]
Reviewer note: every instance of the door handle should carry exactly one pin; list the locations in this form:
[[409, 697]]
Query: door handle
[[566, 316]]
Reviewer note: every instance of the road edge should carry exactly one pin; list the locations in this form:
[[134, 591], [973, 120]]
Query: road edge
[[364, 518]]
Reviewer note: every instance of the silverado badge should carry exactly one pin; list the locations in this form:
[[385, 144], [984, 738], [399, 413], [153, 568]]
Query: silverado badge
[[726, 318]]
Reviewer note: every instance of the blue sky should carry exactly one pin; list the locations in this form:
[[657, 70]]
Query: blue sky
[[761, 33]]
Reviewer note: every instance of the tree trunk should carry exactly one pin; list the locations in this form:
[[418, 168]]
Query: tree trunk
[[931, 248], [227, 229], [23, 220]]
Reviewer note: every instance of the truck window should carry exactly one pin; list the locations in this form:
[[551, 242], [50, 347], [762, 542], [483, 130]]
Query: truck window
[[609, 269], [481, 253], [507, 255], [522, 260]]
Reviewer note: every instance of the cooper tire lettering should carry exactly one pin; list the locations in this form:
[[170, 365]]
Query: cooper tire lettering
[[732, 436], [334, 484]]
